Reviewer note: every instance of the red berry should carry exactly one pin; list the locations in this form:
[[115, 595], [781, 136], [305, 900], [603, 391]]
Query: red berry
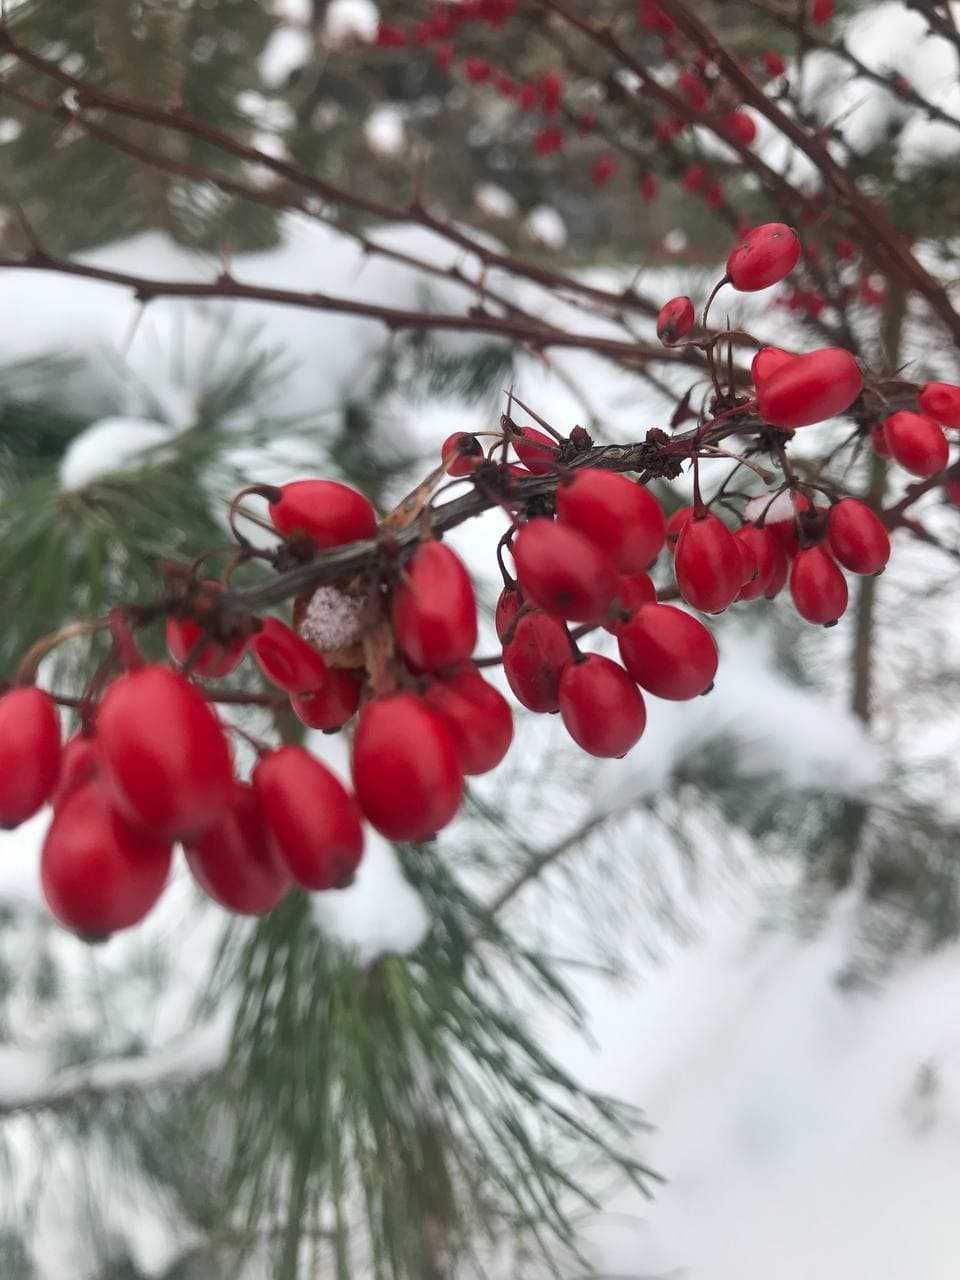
[[633, 590], [768, 556], [98, 873], [666, 130], [708, 565], [763, 257], [508, 606], [330, 513], [785, 531], [312, 818], [649, 187], [286, 659], [551, 91], [620, 517], [434, 609], [821, 11], [562, 571], [749, 569], [878, 438], [534, 659], [29, 754], [810, 389], [857, 537], [778, 579], [845, 249], [693, 89], [713, 194], [916, 442], [477, 70], [653, 18], [941, 400], [234, 862], [477, 715], [668, 652], [390, 36], [548, 140], [79, 764], [406, 769], [767, 362], [215, 660], [165, 757], [739, 126], [676, 525], [527, 97], [872, 291], [601, 707], [773, 64], [536, 451], [694, 179], [331, 706], [675, 320], [465, 450], [818, 588], [603, 169]]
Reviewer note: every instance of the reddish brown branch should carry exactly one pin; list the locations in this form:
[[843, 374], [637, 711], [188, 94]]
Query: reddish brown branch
[[535, 335], [89, 95], [870, 225]]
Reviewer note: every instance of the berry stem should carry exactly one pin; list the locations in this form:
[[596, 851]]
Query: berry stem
[[26, 672]]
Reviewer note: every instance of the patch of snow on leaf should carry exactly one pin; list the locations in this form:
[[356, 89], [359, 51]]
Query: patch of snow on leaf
[[545, 225], [777, 726], [803, 1130], [381, 913], [384, 131], [494, 201], [351, 20], [109, 446], [287, 50]]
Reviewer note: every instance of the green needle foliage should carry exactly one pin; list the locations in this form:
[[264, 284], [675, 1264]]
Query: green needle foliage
[[401, 1110]]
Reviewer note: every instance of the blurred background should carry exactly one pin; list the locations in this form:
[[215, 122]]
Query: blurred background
[[687, 1014]]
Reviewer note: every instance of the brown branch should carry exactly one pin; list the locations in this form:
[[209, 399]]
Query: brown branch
[[788, 198], [938, 24], [870, 225], [182, 122], [650, 459], [536, 335], [900, 88], [277, 198]]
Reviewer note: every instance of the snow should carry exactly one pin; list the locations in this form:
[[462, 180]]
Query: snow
[[287, 50], [27, 1079], [380, 913], [351, 19], [805, 1129], [891, 39], [109, 445], [494, 201], [546, 225], [778, 508], [384, 130]]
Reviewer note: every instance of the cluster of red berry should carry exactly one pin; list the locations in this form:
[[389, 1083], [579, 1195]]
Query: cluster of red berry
[[393, 647], [698, 85]]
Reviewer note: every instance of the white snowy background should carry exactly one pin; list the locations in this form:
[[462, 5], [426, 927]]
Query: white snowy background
[[805, 1128]]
